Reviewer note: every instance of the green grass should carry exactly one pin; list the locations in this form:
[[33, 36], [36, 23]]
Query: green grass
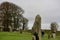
[[46, 38], [14, 36], [23, 36]]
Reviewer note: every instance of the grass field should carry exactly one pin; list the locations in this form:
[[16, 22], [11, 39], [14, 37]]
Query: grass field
[[14, 36], [23, 36]]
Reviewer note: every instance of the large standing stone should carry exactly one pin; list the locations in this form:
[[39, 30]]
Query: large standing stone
[[36, 29]]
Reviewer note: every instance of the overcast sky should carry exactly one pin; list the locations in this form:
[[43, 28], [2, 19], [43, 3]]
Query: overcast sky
[[49, 10]]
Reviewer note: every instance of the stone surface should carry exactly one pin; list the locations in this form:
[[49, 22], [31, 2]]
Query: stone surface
[[37, 26]]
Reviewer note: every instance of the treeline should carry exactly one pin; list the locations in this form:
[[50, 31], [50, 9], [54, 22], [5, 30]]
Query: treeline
[[11, 17]]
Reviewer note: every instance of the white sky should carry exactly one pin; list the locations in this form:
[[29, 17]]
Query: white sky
[[49, 10]]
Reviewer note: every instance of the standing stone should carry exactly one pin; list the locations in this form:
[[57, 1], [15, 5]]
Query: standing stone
[[36, 29], [54, 27], [10, 28]]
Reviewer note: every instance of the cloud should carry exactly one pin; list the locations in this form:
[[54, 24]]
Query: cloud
[[49, 10]]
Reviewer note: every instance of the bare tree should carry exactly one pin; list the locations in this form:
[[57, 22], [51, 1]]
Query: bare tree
[[25, 22]]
